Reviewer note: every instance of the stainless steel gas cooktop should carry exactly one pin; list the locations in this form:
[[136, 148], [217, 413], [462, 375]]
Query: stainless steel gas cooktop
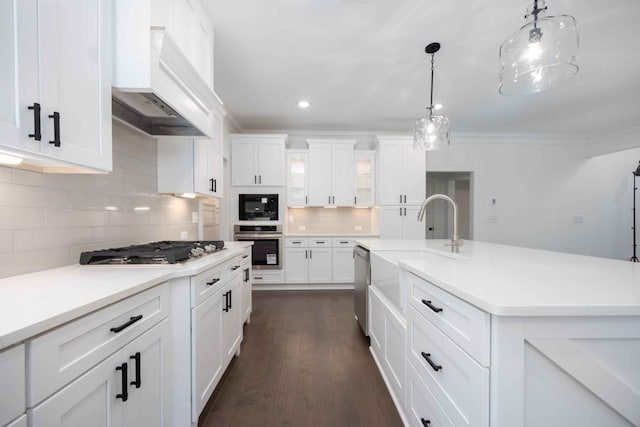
[[165, 252]]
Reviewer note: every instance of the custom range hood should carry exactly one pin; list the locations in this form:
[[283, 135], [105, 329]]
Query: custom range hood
[[155, 87]]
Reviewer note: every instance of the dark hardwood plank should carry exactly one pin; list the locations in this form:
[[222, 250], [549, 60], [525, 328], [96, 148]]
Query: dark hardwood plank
[[303, 362]]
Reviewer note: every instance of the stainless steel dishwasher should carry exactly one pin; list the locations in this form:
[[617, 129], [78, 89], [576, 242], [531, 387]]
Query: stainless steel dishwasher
[[362, 271]]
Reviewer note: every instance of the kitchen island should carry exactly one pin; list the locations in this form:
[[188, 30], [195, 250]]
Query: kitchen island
[[506, 336]]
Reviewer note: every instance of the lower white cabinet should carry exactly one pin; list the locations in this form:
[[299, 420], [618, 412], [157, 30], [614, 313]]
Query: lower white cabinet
[[319, 260], [20, 422], [12, 385], [231, 317], [320, 263], [401, 222], [128, 388], [387, 330]]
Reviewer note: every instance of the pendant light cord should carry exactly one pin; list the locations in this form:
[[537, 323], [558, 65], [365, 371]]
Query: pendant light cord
[[431, 98]]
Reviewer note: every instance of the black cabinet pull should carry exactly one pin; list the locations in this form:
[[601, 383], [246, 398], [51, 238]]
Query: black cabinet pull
[[405, 211], [259, 179], [310, 253], [431, 306], [427, 357], [235, 267], [343, 242], [400, 211], [255, 179], [333, 199], [137, 382], [130, 322], [226, 302], [215, 185], [405, 198], [246, 275], [425, 423], [37, 131], [245, 256], [56, 128], [306, 254], [213, 282], [401, 198], [305, 200], [125, 387], [211, 188], [258, 277], [231, 299], [355, 200], [329, 200]]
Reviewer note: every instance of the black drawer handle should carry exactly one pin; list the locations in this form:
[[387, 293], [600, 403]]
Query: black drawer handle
[[130, 322], [246, 275], [245, 256], [425, 423], [258, 277], [37, 132], [231, 299], [56, 128], [428, 359], [125, 387], [213, 282], [211, 180], [431, 306], [226, 302], [137, 382], [235, 267], [343, 242]]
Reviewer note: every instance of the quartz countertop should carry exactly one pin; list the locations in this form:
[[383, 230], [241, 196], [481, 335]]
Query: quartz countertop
[[34, 303], [354, 235], [514, 281]]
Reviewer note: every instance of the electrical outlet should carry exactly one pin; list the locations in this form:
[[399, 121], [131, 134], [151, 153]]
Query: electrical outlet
[[194, 217], [357, 228], [184, 235], [290, 218], [578, 219], [301, 228], [493, 219]]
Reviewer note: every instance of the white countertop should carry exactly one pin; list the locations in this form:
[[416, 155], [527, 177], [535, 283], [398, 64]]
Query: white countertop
[[33, 303], [354, 235], [514, 281]]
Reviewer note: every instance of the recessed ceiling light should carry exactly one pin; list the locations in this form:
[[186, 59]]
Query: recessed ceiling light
[[303, 104], [437, 107]]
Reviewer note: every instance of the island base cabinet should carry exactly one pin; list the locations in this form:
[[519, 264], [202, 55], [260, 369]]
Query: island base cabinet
[[105, 396], [20, 422], [422, 407], [569, 371]]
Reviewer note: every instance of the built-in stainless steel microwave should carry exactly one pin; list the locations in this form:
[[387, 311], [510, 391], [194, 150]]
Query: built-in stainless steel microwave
[[258, 207]]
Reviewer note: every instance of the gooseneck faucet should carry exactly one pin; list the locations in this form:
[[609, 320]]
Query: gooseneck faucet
[[456, 242]]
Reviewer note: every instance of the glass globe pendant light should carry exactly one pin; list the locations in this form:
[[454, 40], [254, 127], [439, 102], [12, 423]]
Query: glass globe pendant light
[[541, 55], [432, 131]]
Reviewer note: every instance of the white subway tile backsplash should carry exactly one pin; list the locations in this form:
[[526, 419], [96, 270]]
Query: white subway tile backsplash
[[47, 220], [20, 218]]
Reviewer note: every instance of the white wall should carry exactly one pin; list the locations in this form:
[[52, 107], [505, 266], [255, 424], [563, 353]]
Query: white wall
[[47, 220], [540, 185]]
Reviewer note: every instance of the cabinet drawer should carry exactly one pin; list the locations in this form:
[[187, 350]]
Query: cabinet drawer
[[459, 383], [466, 325], [319, 243], [296, 242], [261, 276], [57, 357], [231, 268], [12, 385], [422, 404], [245, 258], [341, 242], [205, 284]]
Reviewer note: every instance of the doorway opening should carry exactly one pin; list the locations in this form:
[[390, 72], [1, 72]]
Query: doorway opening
[[439, 214]]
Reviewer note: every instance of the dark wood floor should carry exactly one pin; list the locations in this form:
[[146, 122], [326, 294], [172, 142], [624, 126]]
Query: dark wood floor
[[304, 362]]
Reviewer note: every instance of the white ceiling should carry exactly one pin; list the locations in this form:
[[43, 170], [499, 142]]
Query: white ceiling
[[361, 64]]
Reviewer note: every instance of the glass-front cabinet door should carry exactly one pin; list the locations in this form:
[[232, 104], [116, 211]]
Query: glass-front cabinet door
[[297, 177], [364, 178]]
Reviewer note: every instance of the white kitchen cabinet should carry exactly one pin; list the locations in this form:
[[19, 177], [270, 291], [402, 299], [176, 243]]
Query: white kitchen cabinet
[[320, 265], [58, 62], [308, 260], [401, 172], [296, 264], [364, 178], [331, 166], [343, 265], [388, 330], [247, 287], [257, 160], [190, 166], [297, 177], [400, 222], [232, 317], [128, 388], [12, 386]]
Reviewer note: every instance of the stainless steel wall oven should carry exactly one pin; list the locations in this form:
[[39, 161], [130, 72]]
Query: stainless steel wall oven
[[266, 252]]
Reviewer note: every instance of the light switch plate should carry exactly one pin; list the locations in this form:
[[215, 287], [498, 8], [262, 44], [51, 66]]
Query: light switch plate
[[194, 217], [184, 235], [301, 228], [357, 228]]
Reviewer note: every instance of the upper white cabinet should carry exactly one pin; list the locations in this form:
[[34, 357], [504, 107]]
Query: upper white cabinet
[[257, 160], [331, 173], [364, 177], [297, 177], [402, 172], [55, 109], [192, 165]]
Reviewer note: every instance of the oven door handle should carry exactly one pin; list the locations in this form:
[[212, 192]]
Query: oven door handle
[[258, 236]]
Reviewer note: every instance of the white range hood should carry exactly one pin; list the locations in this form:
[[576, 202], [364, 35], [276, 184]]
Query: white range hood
[[155, 87]]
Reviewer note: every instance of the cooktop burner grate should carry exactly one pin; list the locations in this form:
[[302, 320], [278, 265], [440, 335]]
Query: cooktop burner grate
[[164, 252]]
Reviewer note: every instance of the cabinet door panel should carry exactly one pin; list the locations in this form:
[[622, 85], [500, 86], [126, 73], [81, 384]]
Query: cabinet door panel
[[390, 222], [320, 265], [75, 75], [216, 162], [243, 163], [148, 403], [319, 174], [411, 227], [231, 319], [297, 178], [88, 401], [270, 162], [342, 175], [201, 175], [206, 325], [414, 175], [390, 177], [296, 265], [343, 265], [18, 73]]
